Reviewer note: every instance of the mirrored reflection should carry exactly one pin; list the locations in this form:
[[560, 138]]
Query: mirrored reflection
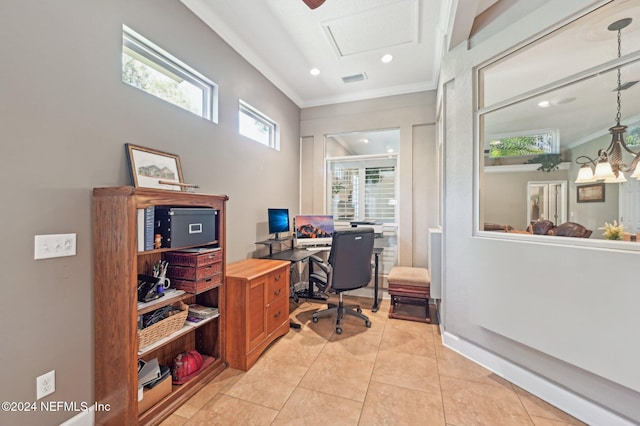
[[566, 123], [576, 47]]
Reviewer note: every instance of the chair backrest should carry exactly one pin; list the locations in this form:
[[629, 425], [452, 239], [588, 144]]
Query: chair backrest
[[350, 258]]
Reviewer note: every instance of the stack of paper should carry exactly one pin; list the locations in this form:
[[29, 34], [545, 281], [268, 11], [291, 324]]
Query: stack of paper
[[149, 372]]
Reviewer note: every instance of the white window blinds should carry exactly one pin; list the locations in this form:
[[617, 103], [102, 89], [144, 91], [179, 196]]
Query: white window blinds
[[363, 190]]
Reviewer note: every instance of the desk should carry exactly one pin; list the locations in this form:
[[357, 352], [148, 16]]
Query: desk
[[377, 251], [296, 256], [300, 255]]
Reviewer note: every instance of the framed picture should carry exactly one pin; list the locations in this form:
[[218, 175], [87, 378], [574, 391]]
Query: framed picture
[[150, 168], [593, 193]]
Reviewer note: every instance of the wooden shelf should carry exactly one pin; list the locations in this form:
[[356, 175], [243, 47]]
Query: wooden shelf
[[166, 249], [117, 264], [171, 296], [188, 327], [509, 168]]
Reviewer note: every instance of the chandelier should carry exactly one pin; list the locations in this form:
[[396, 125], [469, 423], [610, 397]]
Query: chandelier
[[609, 166]]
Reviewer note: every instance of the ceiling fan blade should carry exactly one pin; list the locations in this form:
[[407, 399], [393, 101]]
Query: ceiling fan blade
[[313, 3]]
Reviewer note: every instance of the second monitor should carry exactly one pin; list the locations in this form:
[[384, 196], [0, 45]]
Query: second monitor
[[278, 222], [313, 230]]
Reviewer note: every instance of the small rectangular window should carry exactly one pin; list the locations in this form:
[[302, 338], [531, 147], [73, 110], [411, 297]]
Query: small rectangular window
[[155, 71], [258, 127], [521, 144]]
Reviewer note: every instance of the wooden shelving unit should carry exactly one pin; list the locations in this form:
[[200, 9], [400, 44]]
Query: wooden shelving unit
[[117, 264]]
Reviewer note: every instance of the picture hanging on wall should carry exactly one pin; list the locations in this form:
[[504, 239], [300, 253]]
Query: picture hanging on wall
[[151, 168], [593, 193]]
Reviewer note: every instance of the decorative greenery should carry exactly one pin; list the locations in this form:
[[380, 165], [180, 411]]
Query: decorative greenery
[[336, 188], [632, 137], [612, 232], [143, 76], [548, 162]]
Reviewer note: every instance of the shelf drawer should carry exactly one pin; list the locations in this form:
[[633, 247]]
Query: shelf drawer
[[277, 313], [194, 259], [197, 286], [194, 272], [277, 285]]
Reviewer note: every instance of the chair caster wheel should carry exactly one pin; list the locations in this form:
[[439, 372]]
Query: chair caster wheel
[[368, 324], [338, 330], [359, 310], [314, 319]]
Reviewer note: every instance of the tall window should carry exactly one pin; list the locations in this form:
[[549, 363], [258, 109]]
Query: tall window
[[257, 126], [363, 190], [155, 71]]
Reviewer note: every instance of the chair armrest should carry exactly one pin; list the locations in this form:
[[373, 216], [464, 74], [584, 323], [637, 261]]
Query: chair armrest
[[326, 268]]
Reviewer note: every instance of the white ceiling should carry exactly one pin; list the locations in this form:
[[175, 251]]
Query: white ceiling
[[285, 39]]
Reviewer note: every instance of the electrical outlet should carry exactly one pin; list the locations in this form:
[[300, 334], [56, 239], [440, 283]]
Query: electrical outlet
[[46, 384], [55, 245]]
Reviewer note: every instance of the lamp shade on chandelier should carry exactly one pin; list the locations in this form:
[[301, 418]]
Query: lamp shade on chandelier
[[609, 164]]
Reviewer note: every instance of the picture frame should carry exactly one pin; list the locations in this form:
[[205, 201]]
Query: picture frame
[[592, 193], [150, 168]]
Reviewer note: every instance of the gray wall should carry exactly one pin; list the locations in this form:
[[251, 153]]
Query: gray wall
[[505, 195], [64, 119], [566, 313], [414, 115]]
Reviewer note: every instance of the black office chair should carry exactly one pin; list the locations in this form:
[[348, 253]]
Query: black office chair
[[348, 268]]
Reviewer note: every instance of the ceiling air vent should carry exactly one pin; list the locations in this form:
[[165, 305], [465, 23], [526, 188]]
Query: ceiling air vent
[[353, 78]]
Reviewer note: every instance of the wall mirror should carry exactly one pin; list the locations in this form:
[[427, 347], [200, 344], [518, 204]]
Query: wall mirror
[[546, 105]]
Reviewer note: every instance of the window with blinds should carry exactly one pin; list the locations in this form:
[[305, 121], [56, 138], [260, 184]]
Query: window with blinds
[[363, 190], [380, 194]]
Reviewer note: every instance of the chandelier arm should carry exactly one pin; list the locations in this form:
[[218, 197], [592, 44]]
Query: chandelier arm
[[633, 164], [583, 159], [626, 148]]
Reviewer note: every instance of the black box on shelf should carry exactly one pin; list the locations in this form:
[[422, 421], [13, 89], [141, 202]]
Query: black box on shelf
[[185, 226]]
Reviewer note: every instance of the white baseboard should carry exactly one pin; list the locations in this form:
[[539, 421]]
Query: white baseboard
[[85, 418], [573, 404]]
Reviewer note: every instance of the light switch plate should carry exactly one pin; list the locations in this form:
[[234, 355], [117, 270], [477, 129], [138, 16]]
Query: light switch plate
[[54, 245]]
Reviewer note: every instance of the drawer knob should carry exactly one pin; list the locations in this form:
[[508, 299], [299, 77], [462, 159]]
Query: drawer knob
[[277, 277], [277, 292], [277, 314]]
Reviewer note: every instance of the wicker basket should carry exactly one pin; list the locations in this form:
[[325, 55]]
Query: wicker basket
[[163, 328]]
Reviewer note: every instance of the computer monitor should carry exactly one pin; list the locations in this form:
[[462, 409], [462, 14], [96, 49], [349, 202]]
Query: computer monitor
[[278, 221], [313, 230]]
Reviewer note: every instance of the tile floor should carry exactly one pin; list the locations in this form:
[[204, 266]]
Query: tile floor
[[394, 373]]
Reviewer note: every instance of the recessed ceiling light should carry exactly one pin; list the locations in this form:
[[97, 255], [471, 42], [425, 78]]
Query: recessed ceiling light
[[387, 58], [544, 104], [314, 71], [364, 140]]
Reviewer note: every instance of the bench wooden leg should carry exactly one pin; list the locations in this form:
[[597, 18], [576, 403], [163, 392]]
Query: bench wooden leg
[[407, 300]]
